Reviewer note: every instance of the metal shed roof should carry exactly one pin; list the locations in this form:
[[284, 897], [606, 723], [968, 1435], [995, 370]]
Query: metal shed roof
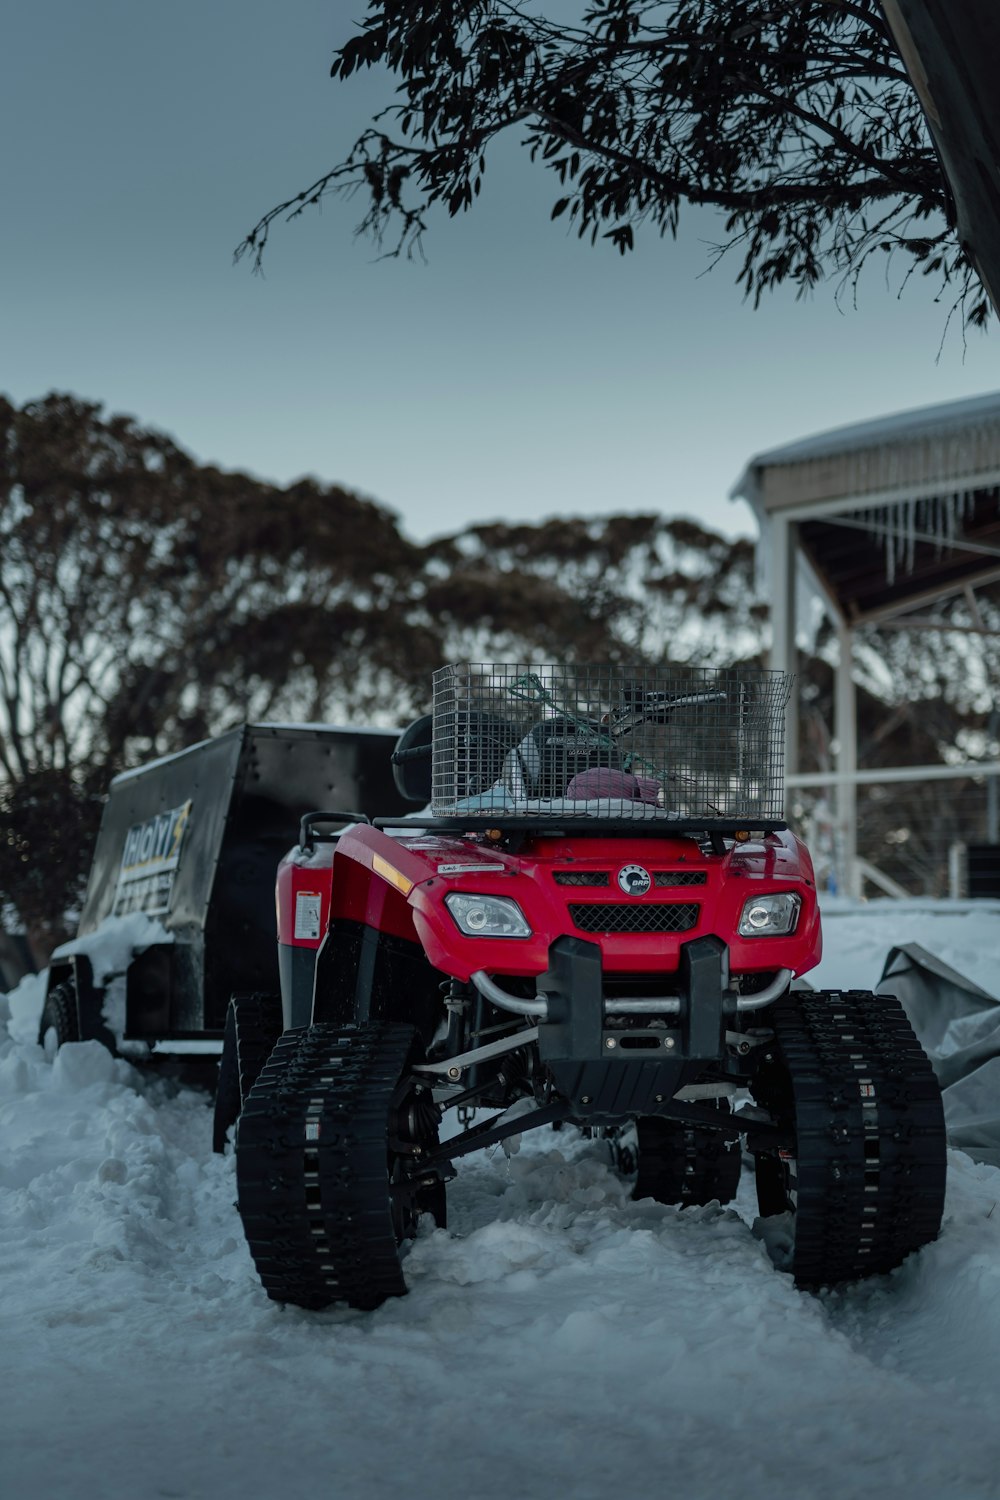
[[892, 512]]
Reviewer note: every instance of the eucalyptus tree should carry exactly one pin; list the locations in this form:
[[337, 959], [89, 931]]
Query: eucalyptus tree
[[795, 119]]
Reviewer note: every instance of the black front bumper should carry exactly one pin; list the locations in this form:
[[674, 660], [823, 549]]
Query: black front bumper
[[614, 1067]]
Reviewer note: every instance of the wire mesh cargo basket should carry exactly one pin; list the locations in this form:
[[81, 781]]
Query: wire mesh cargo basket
[[610, 742]]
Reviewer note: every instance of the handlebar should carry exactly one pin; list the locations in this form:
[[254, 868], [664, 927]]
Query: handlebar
[[308, 838], [418, 752], [655, 708]]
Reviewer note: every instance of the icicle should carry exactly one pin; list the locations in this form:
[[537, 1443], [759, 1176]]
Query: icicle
[[939, 465], [937, 520]]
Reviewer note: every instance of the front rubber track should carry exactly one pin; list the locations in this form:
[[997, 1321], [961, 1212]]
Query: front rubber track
[[313, 1164], [865, 1181]]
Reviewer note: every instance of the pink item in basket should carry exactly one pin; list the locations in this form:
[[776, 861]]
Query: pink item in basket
[[603, 782], [649, 790]]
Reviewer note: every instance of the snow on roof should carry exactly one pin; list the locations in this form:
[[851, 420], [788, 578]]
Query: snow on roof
[[922, 421]]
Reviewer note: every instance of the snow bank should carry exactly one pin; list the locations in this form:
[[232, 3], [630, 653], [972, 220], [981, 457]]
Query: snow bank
[[559, 1339], [110, 948], [22, 1008], [858, 936]]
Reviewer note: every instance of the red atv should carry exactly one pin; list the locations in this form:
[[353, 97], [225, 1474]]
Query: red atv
[[598, 920]]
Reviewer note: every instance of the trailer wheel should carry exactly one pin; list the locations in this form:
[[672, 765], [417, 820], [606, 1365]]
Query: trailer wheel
[[60, 1021], [686, 1164]]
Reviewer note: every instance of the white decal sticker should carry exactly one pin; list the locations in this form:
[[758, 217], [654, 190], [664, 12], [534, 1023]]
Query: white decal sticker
[[307, 907], [468, 869]]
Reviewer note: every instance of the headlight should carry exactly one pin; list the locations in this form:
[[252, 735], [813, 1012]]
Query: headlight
[[770, 916], [487, 916]]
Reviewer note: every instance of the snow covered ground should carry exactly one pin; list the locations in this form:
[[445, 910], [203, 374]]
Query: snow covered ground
[[559, 1340]]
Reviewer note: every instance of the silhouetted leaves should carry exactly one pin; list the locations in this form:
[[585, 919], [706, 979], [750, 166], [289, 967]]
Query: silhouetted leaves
[[48, 823], [147, 601], [796, 121]]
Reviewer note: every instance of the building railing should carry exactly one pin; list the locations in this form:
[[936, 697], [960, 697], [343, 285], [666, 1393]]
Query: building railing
[[912, 829]]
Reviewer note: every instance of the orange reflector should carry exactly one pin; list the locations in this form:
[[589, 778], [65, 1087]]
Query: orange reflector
[[389, 872], [742, 836]]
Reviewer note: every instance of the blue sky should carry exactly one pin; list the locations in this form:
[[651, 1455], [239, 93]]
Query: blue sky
[[518, 374]]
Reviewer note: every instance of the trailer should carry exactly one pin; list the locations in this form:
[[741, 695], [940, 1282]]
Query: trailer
[[185, 864]]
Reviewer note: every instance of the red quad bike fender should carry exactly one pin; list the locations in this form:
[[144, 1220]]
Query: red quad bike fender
[[398, 885]]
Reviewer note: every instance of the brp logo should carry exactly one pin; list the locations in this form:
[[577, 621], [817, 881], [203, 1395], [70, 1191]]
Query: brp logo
[[634, 880]]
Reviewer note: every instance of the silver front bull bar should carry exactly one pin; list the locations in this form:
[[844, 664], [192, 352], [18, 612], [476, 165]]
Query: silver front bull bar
[[623, 1005]]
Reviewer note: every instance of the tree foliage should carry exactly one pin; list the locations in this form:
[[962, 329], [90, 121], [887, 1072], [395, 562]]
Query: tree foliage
[[794, 118], [48, 823], [147, 601], [644, 587]]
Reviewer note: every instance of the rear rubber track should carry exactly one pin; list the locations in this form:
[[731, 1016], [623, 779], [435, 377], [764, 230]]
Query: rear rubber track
[[313, 1165], [253, 1025], [686, 1164], [258, 1027], [867, 1171]]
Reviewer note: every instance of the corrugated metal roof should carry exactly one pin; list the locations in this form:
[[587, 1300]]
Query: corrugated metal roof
[[947, 417], [899, 509]]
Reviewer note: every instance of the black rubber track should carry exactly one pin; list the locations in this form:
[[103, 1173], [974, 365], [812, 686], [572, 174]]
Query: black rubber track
[[253, 1025], [685, 1164], [314, 1163], [866, 1178]]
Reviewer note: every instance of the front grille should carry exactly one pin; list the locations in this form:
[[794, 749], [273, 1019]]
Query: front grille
[[649, 916], [679, 877], [580, 877]]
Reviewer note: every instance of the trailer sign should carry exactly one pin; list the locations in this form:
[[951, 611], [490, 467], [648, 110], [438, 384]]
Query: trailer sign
[[149, 863]]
